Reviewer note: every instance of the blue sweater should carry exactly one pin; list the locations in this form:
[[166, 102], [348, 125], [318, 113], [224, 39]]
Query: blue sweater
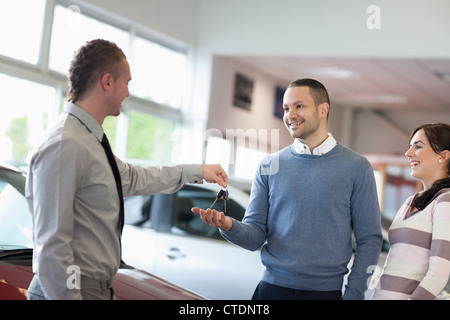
[[302, 211]]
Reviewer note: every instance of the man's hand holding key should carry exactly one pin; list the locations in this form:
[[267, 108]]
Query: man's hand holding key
[[213, 217]]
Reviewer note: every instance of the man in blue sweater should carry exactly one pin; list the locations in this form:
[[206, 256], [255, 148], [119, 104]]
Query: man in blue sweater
[[306, 202]]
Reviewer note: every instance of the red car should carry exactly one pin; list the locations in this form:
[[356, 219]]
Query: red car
[[16, 252]]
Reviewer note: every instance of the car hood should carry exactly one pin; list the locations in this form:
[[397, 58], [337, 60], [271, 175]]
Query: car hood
[[133, 284], [129, 283]]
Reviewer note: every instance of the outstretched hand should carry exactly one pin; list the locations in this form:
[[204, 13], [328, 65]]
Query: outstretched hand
[[215, 173], [214, 218]]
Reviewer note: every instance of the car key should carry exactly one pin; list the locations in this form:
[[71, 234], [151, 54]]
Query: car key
[[223, 193], [225, 199], [217, 198]]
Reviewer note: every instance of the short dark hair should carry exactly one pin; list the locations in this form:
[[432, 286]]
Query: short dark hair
[[90, 62], [318, 91]]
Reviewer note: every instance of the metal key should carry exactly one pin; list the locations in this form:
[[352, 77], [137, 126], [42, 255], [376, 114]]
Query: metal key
[[221, 194]]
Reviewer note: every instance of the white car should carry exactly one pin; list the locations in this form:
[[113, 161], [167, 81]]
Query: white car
[[162, 236]]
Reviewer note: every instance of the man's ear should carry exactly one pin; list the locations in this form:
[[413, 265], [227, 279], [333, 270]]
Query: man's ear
[[324, 108], [106, 81]]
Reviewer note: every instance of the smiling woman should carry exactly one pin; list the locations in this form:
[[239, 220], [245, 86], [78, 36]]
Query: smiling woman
[[420, 233], [429, 156]]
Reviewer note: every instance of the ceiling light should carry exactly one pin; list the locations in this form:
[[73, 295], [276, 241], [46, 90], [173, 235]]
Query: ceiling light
[[378, 98], [333, 72], [390, 98]]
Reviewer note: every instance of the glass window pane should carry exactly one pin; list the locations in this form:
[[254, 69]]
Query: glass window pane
[[186, 223], [28, 106], [138, 209], [159, 73], [247, 161], [110, 129], [15, 217], [149, 137], [218, 150], [21, 22], [71, 29]]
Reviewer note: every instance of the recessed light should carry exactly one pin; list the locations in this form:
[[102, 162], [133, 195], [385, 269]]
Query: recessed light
[[333, 72], [384, 98]]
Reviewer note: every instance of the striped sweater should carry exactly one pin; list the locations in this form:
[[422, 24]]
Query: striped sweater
[[418, 264]]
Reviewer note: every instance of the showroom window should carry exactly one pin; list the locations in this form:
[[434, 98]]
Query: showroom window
[[247, 162], [41, 41], [218, 150], [21, 22], [71, 29], [241, 161], [159, 73], [26, 109], [149, 137]]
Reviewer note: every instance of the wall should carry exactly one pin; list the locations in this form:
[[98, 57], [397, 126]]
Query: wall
[[359, 129], [324, 28], [374, 134], [299, 27], [224, 115], [321, 28], [174, 19]]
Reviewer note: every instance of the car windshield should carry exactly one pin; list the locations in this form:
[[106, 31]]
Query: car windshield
[[15, 217]]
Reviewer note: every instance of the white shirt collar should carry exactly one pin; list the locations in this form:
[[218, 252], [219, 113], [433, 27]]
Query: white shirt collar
[[85, 118], [325, 147]]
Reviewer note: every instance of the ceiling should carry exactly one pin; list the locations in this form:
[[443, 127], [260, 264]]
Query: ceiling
[[384, 84]]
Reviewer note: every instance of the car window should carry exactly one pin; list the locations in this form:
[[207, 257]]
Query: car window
[[137, 209], [186, 222], [15, 217]]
